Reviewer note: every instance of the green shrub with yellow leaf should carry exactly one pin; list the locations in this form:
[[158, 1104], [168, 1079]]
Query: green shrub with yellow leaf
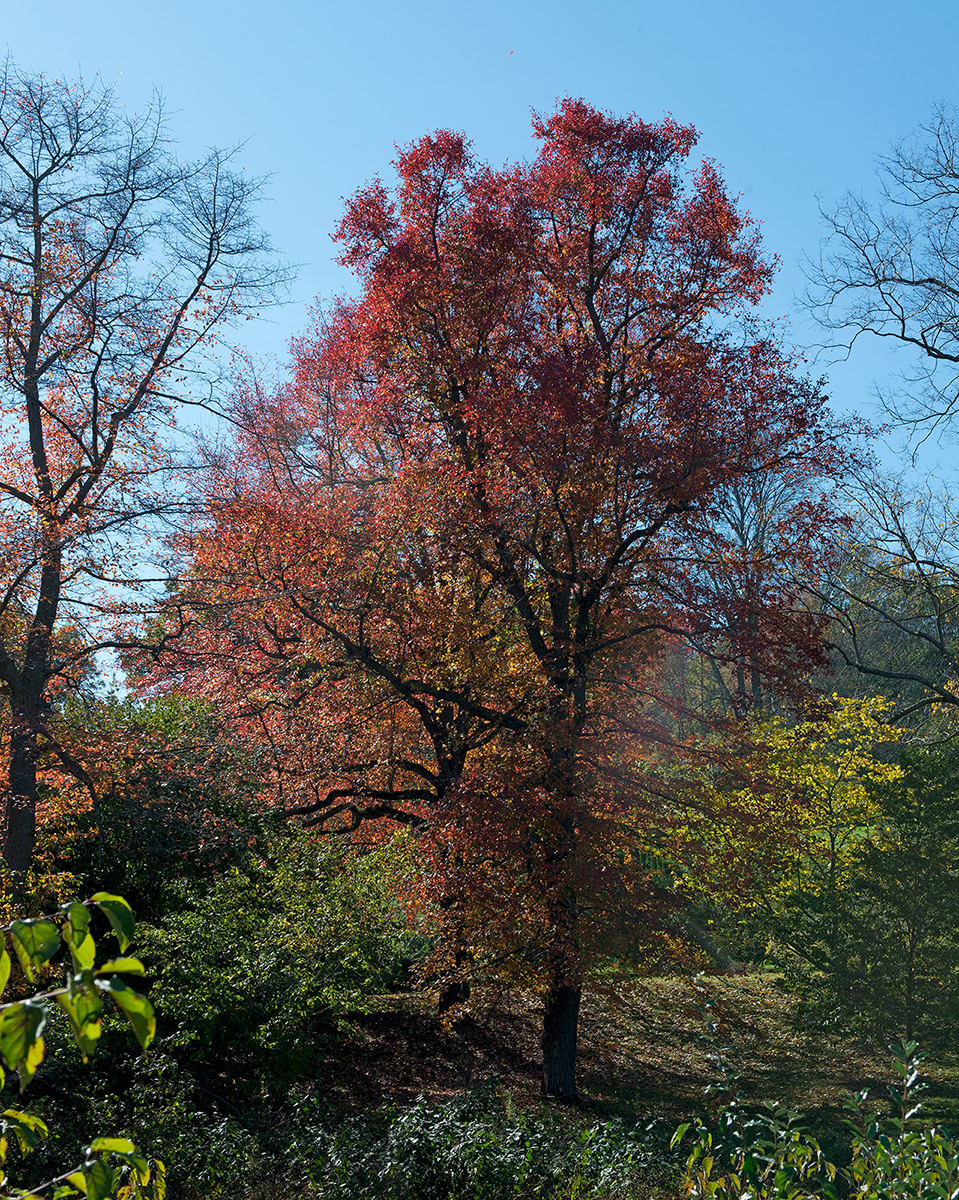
[[855, 886]]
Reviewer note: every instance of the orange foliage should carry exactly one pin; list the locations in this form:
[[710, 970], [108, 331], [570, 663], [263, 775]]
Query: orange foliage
[[443, 567]]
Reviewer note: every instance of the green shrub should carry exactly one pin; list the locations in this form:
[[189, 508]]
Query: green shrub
[[250, 977], [257, 967], [475, 1147], [770, 1155], [214, 1146], [76, 988]]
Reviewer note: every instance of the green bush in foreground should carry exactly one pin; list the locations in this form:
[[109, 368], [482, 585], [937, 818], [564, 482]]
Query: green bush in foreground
[[252, 977], [770, 1156], [256, 971], [111, 1166], [474, 1147]]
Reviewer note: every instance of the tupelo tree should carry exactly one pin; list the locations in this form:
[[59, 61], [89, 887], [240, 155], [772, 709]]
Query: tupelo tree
[[488, 507], [117, 264]]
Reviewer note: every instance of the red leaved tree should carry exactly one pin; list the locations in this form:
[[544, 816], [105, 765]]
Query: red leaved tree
[[460, 545]]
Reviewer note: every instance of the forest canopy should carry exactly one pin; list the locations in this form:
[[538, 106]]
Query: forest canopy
[[539, 631]]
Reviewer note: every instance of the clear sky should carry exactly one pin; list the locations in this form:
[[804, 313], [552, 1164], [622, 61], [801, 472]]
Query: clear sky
[[793, 99]]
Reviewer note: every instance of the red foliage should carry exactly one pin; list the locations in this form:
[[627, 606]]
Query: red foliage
[[447, 562]]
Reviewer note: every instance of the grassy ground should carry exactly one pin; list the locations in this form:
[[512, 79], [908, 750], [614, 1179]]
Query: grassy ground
[[642, 1051]]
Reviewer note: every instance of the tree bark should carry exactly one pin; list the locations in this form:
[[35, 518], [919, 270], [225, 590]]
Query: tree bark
[[560, 1032], [457, 991], [28, 710], [21, 807]]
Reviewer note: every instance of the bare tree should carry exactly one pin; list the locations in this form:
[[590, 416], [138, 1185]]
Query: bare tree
[[118, 263], [893, 597], [891, 268]]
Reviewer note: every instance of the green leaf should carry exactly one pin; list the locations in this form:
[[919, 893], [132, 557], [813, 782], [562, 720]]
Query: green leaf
[[76, 933], [35, 942], [132, 966], [159, 1180], [28, 1068], [78, 1180], [130, 1155], [4, 969], [28, 1128], [21, 1043], [115, 1145], [83, 1009], [137, 1009], [119, 914], [99, 1178], [139, 1163]]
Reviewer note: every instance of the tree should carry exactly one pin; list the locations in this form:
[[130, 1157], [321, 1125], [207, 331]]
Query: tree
[[758, 541], [488, 500], [892, 597], [823, 769], [892, 269], [117, 265], [861, 901], [156, 794]]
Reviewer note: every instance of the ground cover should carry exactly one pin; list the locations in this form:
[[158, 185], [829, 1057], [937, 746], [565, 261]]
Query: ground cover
[[644, 1050], [648, 1058]]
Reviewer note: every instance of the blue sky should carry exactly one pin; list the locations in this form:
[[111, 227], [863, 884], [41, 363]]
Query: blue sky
[[793, 100]]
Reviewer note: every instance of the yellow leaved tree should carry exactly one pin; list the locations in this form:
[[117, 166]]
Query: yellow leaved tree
[[794, 806]]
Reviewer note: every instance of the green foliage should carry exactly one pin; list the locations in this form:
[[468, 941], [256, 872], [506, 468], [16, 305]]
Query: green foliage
[[216, 1150], [260, 966], [252, 970], [475, 1147], [111, 1166], [881, 951], [213, 1147], [762, 1156], [769, 1155], [787, 815], [858, 897], [175, 800]]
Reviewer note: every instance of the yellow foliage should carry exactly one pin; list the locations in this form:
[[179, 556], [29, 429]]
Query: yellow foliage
[[791, 816]]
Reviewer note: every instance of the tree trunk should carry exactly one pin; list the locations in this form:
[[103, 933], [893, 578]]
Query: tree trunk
[[455, 992], [21, 807], [560, 1029]]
